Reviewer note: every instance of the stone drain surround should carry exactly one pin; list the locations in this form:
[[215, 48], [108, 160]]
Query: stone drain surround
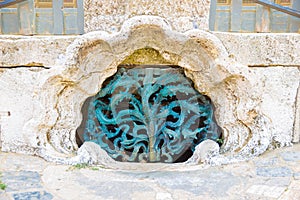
[[255, 107]]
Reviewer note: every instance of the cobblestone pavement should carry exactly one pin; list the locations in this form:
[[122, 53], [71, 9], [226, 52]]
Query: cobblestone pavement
[[274, 175]]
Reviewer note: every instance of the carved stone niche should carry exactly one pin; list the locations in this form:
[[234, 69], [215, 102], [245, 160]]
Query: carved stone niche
[[95, 56]]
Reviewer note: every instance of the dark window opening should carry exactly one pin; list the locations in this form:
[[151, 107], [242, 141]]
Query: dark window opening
[[148, 114]]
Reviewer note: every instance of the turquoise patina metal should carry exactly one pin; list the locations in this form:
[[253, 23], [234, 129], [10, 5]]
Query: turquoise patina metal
[[149, 114]]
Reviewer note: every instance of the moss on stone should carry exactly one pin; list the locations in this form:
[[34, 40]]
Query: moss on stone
[[145, 56]]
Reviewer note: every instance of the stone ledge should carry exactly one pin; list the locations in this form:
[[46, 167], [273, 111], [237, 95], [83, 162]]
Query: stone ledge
[[37, 51], [251, 49]]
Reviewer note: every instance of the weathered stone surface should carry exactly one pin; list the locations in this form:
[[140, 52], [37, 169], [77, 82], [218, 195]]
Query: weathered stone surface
[[18, 88], [33, 195], [110, 15], [278, 93], [262, 49], [274, 171], [248, 49], [151, 181], [290, 156], [91, 153], [296, 136], [23, 180], [254, 107], [33, 51], [266, 191], [268, 162], [292, 192], [204, 151], [19, 161], [100, 188], [297, 176]]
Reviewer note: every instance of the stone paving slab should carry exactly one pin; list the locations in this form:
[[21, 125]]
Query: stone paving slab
[[274, 175]]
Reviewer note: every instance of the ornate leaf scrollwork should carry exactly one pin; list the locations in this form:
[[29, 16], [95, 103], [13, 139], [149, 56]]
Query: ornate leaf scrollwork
[[149, 114]]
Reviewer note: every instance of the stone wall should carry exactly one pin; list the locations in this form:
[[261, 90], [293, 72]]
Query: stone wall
[[104, 15], [252, 79]]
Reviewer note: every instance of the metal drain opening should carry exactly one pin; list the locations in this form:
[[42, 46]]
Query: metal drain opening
[[148, 113]]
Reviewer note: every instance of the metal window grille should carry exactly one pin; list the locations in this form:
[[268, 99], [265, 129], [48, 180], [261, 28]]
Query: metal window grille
[[149, 114]]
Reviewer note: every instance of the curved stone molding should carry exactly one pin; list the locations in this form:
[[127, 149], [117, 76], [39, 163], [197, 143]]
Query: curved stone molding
[[95, 56]]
